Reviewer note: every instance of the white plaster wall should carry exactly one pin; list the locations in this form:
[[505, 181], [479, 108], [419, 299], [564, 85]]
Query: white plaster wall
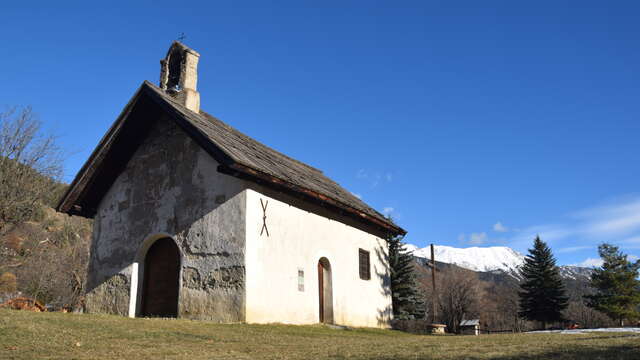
[[297, 240]]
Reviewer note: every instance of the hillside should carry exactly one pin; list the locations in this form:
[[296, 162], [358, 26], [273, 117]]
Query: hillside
[[43, 254], [45, 258], [491, 275]]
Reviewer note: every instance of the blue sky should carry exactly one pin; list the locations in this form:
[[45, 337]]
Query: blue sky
[[471, 123]]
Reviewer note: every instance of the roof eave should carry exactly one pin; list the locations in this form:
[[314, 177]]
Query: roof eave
[[240, 170], [67, 202]]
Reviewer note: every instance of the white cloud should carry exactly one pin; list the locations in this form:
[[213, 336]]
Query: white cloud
[[477, 238], [590, 262], [373, 179], [388, 210], [357, 195], [498, 227], [597, 262], [632, 240], [616, 225], [619, 218], [617, 222], [548, 233], [574, 249]]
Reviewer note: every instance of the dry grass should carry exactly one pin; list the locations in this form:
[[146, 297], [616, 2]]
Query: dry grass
[[26, 335]]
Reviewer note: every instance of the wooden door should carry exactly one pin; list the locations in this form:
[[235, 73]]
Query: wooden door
[[321, 290], [161, 279], [325, 292]]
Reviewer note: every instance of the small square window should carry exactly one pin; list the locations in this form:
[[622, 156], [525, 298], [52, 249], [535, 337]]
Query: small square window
[[300, 280], [365, 266]]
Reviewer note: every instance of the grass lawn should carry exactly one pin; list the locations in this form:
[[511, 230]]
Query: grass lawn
[[27, 335]]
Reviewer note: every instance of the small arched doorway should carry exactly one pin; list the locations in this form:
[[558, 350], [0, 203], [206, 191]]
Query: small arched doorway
[[160, 286], [325, 291]]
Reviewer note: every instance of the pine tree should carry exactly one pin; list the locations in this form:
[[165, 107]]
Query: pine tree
[[617, 285], [542, 293], [408, 301]]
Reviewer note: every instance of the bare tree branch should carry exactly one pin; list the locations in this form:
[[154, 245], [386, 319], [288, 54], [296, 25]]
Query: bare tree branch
[[30, 166]]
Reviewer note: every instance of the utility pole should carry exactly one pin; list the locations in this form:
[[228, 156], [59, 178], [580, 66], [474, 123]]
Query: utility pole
[[434, 293]]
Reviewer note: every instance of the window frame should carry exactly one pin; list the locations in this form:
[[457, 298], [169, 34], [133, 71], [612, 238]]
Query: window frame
[[364, 267], [300, 280]]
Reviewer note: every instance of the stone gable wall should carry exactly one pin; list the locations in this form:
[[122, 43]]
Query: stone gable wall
[[171, 187]]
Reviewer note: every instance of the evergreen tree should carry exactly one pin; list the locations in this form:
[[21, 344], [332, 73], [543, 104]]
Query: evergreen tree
[[617, 285], [408, 301], [542, 293]]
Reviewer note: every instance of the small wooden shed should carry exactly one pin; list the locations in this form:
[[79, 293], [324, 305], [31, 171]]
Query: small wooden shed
[[470, 327]]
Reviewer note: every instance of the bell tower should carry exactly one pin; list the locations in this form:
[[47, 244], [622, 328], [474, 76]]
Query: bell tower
[[179, 75]]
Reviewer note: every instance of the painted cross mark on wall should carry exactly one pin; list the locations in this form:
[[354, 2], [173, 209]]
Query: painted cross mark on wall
[[264, 217]]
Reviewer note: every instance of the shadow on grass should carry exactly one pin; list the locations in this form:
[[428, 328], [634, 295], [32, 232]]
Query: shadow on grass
[[622, 352], [611, 337]]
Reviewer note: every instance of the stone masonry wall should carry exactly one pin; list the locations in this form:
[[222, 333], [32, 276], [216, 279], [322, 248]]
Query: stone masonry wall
[[171, 186]]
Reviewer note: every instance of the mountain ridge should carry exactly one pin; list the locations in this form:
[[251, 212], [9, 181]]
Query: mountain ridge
[[494, 259]]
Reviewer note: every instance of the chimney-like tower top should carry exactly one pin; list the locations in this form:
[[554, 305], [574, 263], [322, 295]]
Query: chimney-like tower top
[[179, 75]]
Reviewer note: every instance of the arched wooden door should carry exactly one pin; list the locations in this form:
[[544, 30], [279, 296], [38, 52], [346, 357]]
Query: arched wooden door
[[325, 292], [161, 279]]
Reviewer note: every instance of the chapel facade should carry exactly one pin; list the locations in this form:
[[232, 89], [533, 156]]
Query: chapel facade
[[194, 219]]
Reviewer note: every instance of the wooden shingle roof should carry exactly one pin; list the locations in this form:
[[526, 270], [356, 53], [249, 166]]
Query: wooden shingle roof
[[238, 155]]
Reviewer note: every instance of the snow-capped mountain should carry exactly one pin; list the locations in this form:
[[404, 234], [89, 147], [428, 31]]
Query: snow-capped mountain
[[489, 259], [474, 258], [575, 272]]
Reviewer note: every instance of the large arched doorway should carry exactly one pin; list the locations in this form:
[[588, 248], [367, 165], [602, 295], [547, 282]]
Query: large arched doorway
[[160, 286], [325, 291]]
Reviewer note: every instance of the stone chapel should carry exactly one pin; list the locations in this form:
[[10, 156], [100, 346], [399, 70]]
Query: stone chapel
[[194, 219]]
